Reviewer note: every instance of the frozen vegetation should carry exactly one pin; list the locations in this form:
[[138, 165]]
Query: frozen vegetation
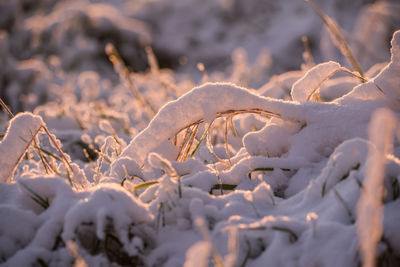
[[200, 133]]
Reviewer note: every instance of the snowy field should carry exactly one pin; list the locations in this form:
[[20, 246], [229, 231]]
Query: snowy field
[[200, 133]]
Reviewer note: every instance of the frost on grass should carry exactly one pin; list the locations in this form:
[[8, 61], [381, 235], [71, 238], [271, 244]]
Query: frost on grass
[[20, 133], [312, 80], [272, 181], [202, 103], [370, 209]]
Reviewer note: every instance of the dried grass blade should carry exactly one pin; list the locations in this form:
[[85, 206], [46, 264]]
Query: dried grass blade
[[62, 154], [44, 203], [322, 81], [145, 185], [340, 42], [202, 138], [233, 126], [47, 165], [226, 143], [184, 141], [41, 157], [190, 143], [343, 69], [6, 108], [307, 56]]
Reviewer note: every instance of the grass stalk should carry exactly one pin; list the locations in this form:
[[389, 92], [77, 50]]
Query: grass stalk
[[43, 202], [232, 126], [226, 142], [201, 139], [62, 154], [338, 36], [145, 185], [234, 112], [185, 140], [190, 143], [6, 108], [125, 75], [342, 69]]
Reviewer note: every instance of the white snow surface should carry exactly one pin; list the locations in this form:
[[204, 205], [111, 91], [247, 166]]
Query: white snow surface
[[21, 132], [311, 81]]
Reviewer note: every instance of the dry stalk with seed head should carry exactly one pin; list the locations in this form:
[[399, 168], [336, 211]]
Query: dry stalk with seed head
[[155, 70], [339, 40], [125, 76]]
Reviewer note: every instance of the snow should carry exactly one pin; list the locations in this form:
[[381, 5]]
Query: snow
[[21, 132], [388, 80], [197, 105], [312, 80], [245, 163]]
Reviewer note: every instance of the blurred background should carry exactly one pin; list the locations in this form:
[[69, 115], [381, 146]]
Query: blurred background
[[52, 49]]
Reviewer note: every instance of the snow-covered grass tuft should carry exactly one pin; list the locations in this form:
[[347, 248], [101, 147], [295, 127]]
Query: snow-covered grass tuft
[[120, 168]]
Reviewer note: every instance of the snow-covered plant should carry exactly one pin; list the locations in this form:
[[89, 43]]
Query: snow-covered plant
[[124, 168]]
